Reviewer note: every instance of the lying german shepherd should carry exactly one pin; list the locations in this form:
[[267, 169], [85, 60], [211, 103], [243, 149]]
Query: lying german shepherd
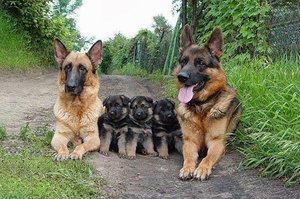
[[77, 107], [209, 107]]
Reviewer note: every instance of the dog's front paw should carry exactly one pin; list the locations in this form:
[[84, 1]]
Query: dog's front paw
[[75, 156], [105, 153], [131, 157], [122, 155], [61, 156], [186, 172], [202, 172]]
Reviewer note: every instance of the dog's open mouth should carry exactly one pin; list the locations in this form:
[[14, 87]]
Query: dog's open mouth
[[186, 93]]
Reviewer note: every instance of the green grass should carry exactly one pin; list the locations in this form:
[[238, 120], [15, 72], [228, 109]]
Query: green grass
[[32, 173], [269, 132], [2, 133], [15, 50]]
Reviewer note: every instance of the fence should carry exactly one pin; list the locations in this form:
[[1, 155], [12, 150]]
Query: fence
[[283, 23]]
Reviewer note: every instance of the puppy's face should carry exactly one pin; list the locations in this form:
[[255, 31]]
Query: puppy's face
[[76, 66], [141, 108], [116, 107], [164, 111], [199, 66]]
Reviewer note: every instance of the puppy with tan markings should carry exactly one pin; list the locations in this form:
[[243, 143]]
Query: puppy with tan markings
[[113, 124], [139, 127], [77, 107], [209, 107], [166, 130]]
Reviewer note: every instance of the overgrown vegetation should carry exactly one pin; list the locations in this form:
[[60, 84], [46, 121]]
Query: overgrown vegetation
[[269, 133], [40, 21], [32, 173], [14, 50]]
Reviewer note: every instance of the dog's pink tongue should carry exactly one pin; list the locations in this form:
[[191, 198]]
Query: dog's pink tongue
[[185, 94]]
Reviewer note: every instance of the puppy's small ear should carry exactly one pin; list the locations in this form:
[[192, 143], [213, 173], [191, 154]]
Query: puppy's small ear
[[95, 54], [61, 52], [132, 100], [149, 100], [215, 42], [155, 105], [105, 102], [172, 102], [125, 100], [186, 38]]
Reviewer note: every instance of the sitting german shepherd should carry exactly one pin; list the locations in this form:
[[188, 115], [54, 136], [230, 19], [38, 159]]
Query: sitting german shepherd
[[209, 107], [77, 107]]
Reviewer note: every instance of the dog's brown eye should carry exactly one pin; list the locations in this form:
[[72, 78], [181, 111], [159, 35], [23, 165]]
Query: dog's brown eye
[[183, 61], [81, 67], [200, 62], [68, 66]]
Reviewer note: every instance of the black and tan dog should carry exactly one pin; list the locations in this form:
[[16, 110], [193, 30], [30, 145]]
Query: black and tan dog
[[165, 128], [113, 124], [77, 107], [139, 127], [209, 107]]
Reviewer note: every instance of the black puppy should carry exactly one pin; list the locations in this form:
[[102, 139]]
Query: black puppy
[[113, 125], [165, 128], [139, 126]]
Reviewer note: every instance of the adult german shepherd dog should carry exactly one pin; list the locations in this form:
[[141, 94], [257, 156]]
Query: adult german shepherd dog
[[209, 107], [77, 107]]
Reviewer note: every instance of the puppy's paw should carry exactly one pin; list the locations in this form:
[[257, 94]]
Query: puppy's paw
[[165, 157], [153, 154], [105, 153], [131, 157], [122, 155], [75, 156], [202, 172], [61, 156], [186, 172]]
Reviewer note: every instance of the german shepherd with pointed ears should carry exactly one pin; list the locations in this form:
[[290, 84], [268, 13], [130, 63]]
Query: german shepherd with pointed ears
[[208, 108], [77, 107]]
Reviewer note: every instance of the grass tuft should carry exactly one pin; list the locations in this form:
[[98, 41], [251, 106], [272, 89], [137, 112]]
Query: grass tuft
[[32, 173], [2, 133]]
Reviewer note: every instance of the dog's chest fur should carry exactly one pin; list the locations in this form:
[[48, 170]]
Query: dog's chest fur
[[160, 130], [116, 127], [76, 114]]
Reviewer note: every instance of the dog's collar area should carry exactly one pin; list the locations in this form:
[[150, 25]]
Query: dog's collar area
[[199, 103]]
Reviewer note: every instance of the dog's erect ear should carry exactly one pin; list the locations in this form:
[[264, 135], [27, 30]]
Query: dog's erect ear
[[172, 102], [186, 38], [95, 54], [61, 52], [215, 42], [105, 101], [149, 100], [125, 100]]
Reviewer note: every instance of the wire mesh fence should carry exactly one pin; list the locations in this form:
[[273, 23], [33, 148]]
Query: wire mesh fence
[[283, 23]]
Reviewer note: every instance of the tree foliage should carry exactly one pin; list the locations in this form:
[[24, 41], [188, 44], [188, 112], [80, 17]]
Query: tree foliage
[[44, 22]]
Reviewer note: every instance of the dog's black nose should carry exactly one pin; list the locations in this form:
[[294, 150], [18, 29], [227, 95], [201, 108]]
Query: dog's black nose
[[71, 88], [183, 77], [139, 113], [112, 112], [169, 115]]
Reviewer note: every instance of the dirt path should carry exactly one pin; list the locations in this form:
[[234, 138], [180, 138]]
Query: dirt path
[[30, 98]]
